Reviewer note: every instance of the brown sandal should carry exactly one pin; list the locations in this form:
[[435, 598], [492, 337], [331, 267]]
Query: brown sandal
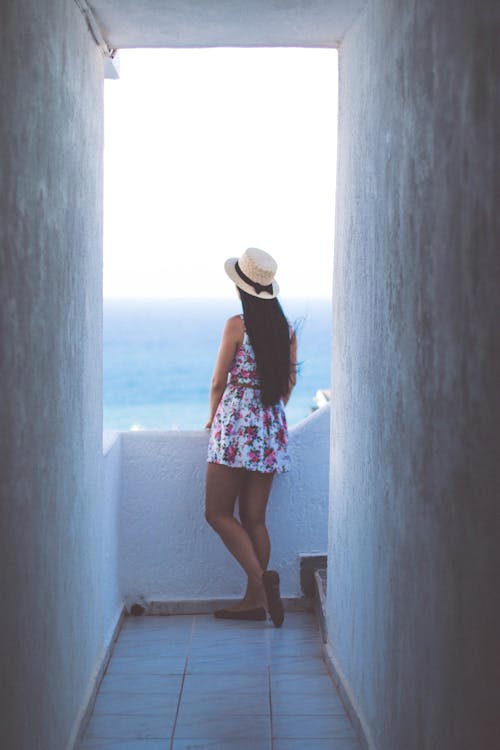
[[271, 581]]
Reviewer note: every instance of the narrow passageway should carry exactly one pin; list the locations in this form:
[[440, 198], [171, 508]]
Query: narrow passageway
[[193, 682]]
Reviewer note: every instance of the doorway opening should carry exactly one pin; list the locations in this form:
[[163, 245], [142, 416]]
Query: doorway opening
[[207, 152]]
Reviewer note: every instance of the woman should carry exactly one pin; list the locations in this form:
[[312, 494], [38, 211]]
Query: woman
[[252, 381]]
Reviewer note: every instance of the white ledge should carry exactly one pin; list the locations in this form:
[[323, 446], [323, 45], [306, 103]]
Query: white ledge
[[110, 437]]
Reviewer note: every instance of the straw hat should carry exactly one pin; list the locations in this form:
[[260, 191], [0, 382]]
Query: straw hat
[[254, 273]]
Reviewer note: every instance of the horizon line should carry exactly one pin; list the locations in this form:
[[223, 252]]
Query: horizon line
[[326, 298]]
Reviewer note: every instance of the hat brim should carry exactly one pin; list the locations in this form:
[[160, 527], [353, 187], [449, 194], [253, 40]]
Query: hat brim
[[230, 269]]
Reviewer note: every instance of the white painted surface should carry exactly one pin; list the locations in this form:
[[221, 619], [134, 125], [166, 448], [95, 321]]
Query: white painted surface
[[225, 23], [416, 372], [112, 601], [52, 533], [414, 523], [168, 551]]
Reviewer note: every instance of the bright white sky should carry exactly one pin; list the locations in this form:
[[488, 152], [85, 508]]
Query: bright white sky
[[208, 152]]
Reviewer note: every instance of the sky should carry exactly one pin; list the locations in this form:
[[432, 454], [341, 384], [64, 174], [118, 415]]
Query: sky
[[211, 151]]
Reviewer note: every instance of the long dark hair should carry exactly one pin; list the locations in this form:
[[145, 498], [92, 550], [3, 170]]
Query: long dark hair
[[269, 334]]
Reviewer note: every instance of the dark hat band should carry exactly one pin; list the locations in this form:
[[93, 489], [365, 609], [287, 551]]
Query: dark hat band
[[255, 284]]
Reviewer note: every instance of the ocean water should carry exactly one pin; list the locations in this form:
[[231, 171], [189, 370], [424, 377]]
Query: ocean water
[[159, 357]]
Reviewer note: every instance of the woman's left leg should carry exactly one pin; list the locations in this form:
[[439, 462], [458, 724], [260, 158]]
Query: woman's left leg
[[223, 485]]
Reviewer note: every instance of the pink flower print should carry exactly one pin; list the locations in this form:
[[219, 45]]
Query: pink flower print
[[252, 436], [270, 457], [229, 428], [254, 457], [230, 454]]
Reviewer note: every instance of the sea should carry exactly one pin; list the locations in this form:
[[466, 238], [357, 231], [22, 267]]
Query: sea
[[159, 357]]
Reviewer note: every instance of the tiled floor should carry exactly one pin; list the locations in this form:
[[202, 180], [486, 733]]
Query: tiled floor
[[196, 683]]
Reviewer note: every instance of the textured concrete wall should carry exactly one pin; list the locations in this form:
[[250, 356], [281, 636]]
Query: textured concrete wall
[[167, 550], [111, 600], [51, 542], [225, 23], [415, 458]]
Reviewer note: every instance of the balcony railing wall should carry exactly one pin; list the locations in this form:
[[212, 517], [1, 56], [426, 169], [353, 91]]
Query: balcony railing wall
[[166, 552]]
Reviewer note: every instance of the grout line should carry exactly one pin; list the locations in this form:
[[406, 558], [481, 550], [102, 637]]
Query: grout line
[[171, 744], [268, 651]]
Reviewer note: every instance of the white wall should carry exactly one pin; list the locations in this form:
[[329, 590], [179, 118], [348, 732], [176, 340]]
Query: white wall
[[51, 534], [109, 511], [167, 550], [415, 464]]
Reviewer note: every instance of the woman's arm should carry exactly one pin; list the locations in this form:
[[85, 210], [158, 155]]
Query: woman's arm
[[293, 368], [232, 337]]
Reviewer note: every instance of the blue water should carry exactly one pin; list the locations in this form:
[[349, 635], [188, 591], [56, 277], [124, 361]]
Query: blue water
[[159, 357]]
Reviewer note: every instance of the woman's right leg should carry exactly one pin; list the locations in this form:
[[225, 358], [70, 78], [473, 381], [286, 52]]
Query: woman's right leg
[[223, 485], [253, 498]]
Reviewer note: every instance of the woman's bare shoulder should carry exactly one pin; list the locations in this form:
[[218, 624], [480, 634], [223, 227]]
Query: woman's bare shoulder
[[234, 327], [235, 322]]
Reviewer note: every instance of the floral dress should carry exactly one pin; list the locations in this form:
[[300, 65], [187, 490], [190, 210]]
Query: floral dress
[[244, 433]]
